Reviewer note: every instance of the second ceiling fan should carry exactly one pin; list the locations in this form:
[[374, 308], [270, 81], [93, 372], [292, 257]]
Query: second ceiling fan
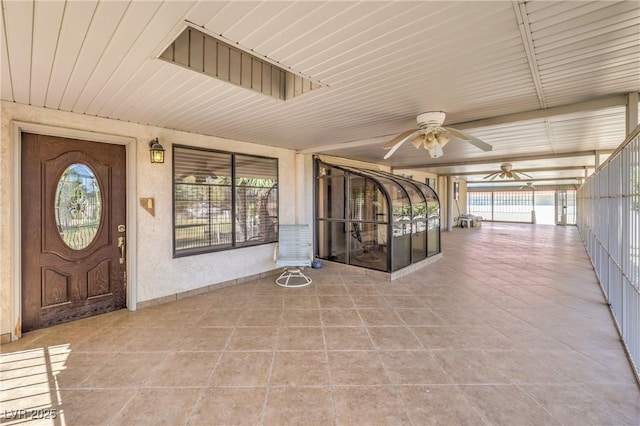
[[432, 135], [506, 172]]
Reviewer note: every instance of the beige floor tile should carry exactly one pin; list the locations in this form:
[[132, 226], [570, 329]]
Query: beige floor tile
[[579, 368], [301, 339], [413, 368], [183, 369], [380, 317], [369, 405], [388, 338], [301, 318], [573, 405], [356, 368], [340, 318], [158, 407], [419, 316], [525, 367], [219, 318], [527, 337], [375, 302], [113, 340], [471, 366], [460, 316], [71, 371], [301, 302], [622, 400], [160, 339], [613, 359], [92, 406], [335, 302], [438, 405], [265, 302], [405, 302], [300, 369], [328, 289], [462, 337], [253, 339], [299, 406], [229, 406], [500, 340], [243, 369], [507, 405], [260, 317], [347, 338], [205, 339], [127, 369]]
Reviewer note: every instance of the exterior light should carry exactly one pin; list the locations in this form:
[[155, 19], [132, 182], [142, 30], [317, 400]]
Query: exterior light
[[156, 151]]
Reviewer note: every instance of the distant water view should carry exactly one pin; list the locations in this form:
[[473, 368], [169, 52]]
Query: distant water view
[[516, 206], [545, 215]]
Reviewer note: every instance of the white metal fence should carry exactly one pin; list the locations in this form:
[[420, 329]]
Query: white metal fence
[[609, 222]]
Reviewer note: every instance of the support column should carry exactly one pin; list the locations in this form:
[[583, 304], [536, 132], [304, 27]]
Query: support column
[[631, 116], [449, 203]]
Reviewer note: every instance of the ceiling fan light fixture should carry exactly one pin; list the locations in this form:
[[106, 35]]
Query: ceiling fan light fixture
[[431, 133], [442, 139], [430, 142]]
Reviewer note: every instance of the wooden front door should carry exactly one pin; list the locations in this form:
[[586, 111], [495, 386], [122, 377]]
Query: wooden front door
[[73, 224]]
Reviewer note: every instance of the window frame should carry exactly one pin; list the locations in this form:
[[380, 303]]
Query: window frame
[[235, 244]]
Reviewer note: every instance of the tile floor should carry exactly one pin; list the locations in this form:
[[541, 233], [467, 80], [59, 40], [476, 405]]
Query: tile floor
[[508, 328]]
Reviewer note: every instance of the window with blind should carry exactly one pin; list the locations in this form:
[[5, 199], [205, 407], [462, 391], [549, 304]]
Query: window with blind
[[222, 200]]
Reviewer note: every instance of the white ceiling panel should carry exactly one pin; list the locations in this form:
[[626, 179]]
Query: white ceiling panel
[[47, 18], [135, 66], [106, 19], [75, 22], [18, 17], [382, 64], [6, 91], [134, 21], [306, 21]]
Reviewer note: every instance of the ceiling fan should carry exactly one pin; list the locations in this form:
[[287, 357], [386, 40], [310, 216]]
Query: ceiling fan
[[529, 185], [434, 137], [506, 172]]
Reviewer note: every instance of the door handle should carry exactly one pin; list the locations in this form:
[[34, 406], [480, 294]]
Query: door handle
[[122, 243]]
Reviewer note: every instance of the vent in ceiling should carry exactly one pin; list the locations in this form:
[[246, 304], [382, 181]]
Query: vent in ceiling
[[203, 53]]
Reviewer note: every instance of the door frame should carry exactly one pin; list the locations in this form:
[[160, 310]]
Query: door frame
[[130, 143]]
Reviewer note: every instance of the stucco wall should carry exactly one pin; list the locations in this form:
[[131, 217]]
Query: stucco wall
[[158, 273]]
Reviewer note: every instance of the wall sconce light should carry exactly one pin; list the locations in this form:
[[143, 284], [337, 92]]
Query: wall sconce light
[[157, 151]]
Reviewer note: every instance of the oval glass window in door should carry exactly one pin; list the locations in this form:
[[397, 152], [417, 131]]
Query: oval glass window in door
[[78, 206]]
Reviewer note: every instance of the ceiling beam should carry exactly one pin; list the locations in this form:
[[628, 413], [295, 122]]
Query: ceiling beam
[[346, 145], [539, 169], [520, 8], [509, 159], [592, 105], [502, 182]]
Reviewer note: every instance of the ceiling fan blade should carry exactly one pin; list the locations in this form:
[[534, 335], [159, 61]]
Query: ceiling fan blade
[[396, 142], [524, 174], [490, 174], [457, 133], [416, 142], [400, 139], [467, 137]]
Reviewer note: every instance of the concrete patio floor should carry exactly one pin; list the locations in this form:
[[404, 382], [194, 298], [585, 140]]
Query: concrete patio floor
[[510, 327]]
